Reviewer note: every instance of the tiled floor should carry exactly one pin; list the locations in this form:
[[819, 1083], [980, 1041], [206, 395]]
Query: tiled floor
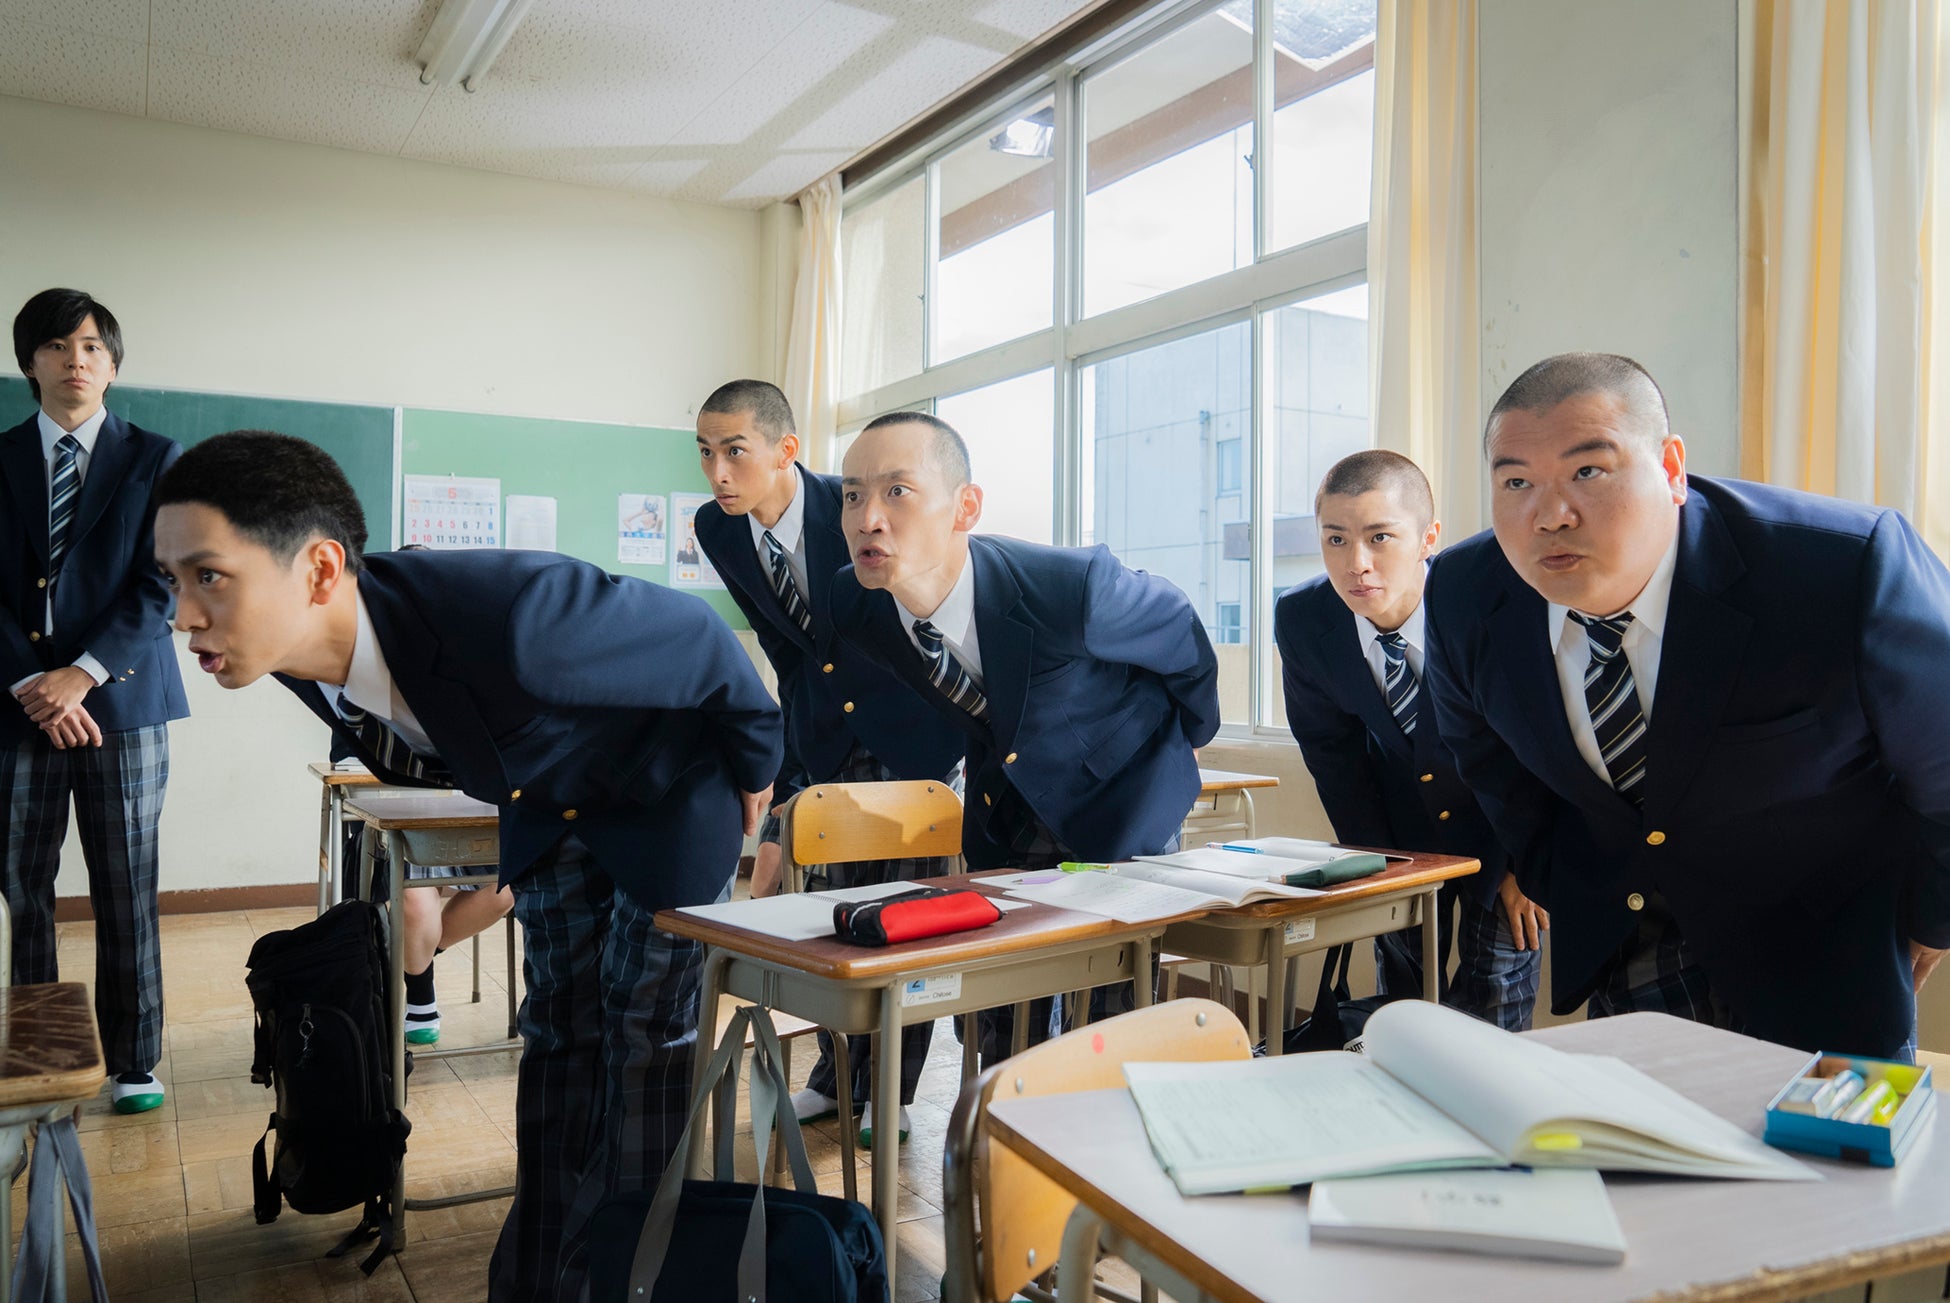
[[173, 1187]]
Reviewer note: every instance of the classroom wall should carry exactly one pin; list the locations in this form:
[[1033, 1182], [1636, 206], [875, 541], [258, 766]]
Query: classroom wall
[[256, 266]]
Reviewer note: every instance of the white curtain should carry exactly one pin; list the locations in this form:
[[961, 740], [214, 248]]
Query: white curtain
[[1838, 347], [812, 349], [1423, 326]]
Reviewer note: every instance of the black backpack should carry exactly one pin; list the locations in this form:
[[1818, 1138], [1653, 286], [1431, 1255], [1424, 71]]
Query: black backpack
[[1338, 1021], [320, 993]]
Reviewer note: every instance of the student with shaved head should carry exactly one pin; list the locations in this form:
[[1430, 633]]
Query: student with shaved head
[[1707, 717], [1353, 645], [1080, 686]]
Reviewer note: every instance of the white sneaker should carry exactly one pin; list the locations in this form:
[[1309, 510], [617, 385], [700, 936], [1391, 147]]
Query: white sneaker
[[866, 1126], [809, 1105]]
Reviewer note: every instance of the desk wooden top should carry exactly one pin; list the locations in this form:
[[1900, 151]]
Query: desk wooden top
[[1694, 1240], [392, 811], [48, 1048], [1418, 872], [1225, 780], [323, 771], [1029, 926]]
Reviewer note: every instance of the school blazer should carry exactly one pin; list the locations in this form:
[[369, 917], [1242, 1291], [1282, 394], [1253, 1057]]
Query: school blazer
[[1100, 681], [577, 701], [1797, 803], [831, 694], [109, 598], [1379, 786]]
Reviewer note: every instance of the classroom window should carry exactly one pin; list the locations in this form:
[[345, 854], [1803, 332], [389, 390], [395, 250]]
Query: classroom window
[[1150, 328]]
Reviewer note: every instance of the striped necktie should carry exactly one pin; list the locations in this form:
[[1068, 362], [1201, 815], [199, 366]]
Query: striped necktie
[[1399, 684], [393, 751], [947, 673], [783, 584], [1612, 696], [63, 491]]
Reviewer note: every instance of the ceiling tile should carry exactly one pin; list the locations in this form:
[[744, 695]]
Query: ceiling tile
[[357, 40], [127, 20], [1027, 19], [792, 82], [288, 103], [784, 175], [66, 66], [915, 80]]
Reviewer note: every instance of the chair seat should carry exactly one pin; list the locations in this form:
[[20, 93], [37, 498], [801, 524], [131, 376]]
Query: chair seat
[[48, 1047]]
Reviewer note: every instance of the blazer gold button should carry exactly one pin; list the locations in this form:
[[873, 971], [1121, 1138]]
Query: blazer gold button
[[1428, 778], [515, 795], [40, 583], [1009, 759], [1635, 902], [827, 668], [1443, 815], [1655, 838], [568, 814], [33, 636], [987, 799], [848, 708]]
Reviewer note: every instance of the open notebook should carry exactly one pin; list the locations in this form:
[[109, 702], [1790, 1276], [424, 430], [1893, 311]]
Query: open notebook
[[1142, 891], [1436, 1089]]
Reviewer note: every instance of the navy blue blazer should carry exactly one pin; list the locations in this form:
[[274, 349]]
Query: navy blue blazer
[[1100, 681], [1379, 786], [831, 693], [109, 599], [1797, 803], [577, 701]]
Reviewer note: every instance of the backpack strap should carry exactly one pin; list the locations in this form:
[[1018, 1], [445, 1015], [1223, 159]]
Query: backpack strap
[[264, 1181]]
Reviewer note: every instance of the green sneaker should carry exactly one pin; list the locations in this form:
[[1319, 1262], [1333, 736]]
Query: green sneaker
[[866, 1127], [422, 1024], [136, 1092]]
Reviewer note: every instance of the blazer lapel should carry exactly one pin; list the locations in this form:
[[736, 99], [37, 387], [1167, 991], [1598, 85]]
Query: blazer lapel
[[1353, 679], [1700, 654], [898, 653], [825, 547], [444, 708], [25, 469], [1524, 656], [106, 467], [1007, 642]]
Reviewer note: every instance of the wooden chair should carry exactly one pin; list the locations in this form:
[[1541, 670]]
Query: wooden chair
[[848, 823], [1021, 1213]]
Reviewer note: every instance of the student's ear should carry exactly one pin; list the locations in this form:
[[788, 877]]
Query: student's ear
[[1672, 460], [788, 450], [325, 563], [968, 507], [1429, 537]]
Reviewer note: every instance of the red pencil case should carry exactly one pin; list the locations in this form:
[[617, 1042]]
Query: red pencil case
[[911, 915]]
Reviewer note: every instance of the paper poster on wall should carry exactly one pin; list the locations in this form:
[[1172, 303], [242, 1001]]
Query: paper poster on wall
[[640, 528], [531, 522], [689, 568], [452, 512]]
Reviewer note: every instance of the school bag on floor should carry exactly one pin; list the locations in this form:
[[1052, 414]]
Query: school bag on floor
[[698, 1241], [320, 992]]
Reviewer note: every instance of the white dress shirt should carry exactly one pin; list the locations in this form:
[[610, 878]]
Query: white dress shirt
[[369, 686], [1644, 638], [791, 534], [84, 434], [1412, 634], [954, 619]]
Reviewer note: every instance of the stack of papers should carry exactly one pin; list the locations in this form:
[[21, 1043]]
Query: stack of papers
[[1564, 1216], [1144, 891]]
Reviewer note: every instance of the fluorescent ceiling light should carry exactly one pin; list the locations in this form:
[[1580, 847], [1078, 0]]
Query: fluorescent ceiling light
[[465, 38]]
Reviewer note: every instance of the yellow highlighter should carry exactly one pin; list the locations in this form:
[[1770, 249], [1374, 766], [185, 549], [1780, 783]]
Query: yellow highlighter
[[1557, 1142]]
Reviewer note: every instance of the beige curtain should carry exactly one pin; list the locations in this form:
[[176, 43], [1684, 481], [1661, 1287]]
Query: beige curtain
[[1422, 327], [1838, 348], [812, 348]]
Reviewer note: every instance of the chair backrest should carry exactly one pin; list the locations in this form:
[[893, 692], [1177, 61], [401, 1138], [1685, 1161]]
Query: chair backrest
[[841, 823], [1022, 1212]]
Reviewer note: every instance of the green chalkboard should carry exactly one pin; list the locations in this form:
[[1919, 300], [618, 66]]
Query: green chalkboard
[[583, 466], [359, 438]]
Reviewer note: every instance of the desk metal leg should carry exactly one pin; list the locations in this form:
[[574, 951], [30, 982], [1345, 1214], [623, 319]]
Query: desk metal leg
[[12, 1140], [1431, 945], [711, 983], [1273, 958], [1076, 1261], [330, 851], [886, 1124], [1252, 815], [396, 977]]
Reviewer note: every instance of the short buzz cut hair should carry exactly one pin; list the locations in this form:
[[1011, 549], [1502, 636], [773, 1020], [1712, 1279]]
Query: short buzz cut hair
[[948, 449], [56, 314], [770, 412], [1377, 468], [277, 491], [1567, 375]]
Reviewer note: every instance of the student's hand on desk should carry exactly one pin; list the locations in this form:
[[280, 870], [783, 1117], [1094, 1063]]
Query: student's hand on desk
[[1528, 920], [54, 693], [74, 729], [756, 804], [1922, 959]]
